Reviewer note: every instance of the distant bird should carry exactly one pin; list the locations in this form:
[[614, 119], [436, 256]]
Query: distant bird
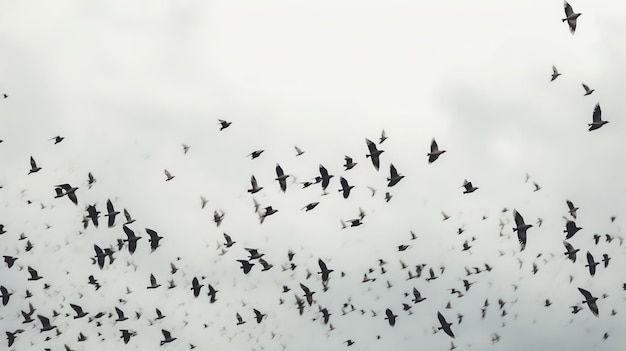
[[258, 315], [555, 73], [33, 166], [345, 187], [571, 229], [256, 153], [126, 335], [374, 153], [246, 266], [390, 317], [185, 148], [90, 180], [131, 239], [383, 137], [587, 90], [66, 189], [9, 260], [203, 202], [394, 177], [4, 295], [111, 213], [590, 300], [120, 315], [196, 286], [434, 153], [591, 263], [605, 260], [597, 118], [537, 187], [129, 219], [100, 256], [324, 271], [33, 274], [45, 323], [299, 151], [167, 337], [349, 163], [267, 212], [570, 17], [212, 294], [281, 177], [571, 252], [310, 206], [154, 239], [266, 265], [57, 139], [218, 217], [521, 228], [445, 216], [229, 242], [388, 196], [417, 297], [324, 177], [469, 188], [240, 320], [224, 124], [572, 208], [153, 282], [445, 326], [168, 175]]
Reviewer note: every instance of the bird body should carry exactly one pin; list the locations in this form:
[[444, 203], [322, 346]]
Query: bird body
[[434, 153], [597, 119], [570, 17]]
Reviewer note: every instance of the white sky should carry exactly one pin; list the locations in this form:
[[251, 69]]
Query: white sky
[[127, 82]]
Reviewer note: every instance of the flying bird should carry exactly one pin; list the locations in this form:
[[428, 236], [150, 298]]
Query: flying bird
[[390, 317], [349, 163], [590, 300], [256, 153], [469, 188], [520, 228], [394, 177], [168, 175], [66, 189], [591, 263], [224, 124], [587, 90], [299, 151], [33, 166], [246, 266], [445, 326], [154, 239], [597, 118], [57, 139], [570, 17], [434, 153], [555, 73], [131, 239], [571, 229], [325, 177], [281, 177], [345, 187], [383, 137], [167, 337], [324, 271], [310, 206], [572, 208], [374, 153], [571, 252], [45, 323], [111, 213]]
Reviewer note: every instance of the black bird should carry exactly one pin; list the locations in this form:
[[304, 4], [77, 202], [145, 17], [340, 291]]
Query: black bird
[[131, 239], [11, 337], [129, 218], [167, 337], [591, 264], [168, 175], [254, 253], [345, 187], [308, 294], [587, 90], [153, 282], [324, 271], [572, 208], [266, 265], [126, 334], [325, 177], [571, 229], [469, 188], [417, 297], [520, 228], [246, 266], [390, 317], [4, 295], [240, 320], [33, 166], [597, 119], [154, 239], [555, 73], [111, 213], [57, 139], [45, 323], [590, 301], [255, 187], [434, 153], [310, 206], [258, 315], [281, 177], [90, 180], [212, 294], [93, 214], [349, 163], [79, 311], [605, 260], [66, 189], [374, 153], [120, 315], [196, 286], [33, 274], [10, 260], [299, 151], [445, 326], [571, 252], [224, 124], [570, 17], [394, 177], [256, 153], [229, 242]]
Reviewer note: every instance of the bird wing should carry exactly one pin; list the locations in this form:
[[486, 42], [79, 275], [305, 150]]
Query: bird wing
[[32, 162], [129, 233], [585, 87], [166, 334], [279, 171], [519, 220], [323, 172], [433, 146], [110, 206], [322, 265], [597, 113], [371, 146], [152, 233], [393, 172], [568, 9]]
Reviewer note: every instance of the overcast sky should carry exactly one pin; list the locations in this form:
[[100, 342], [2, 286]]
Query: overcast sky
[[126, 83]]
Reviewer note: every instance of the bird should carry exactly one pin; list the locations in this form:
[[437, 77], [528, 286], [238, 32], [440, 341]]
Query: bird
[[203, 202], [185, 148], [345, 187], [33, 166], [434, 153], [90, 180], [57, 139], [131, 239], [111, 213], [218, 217], [571, 229], [325, 177], [224, 124], [100, 256], [555, 73], [520, 228], [570, 17], [310, 206], [374, 153], [45, 323], [605, 260], [587, 90], [4, 295], [240, 320], [445, 326], [168, 175], [417, 296], [258, 315], [572, 208], [229, 241], [212, 294], [591, 263], [154, 239], [120, 315], [349, 163], [9, 260], [266, 265], [281, 177], [571, 252], [597, 118], [33, 274], [153, 282], [196, 286], [246, 266], [126, 335], [167, 337], [324, 271], [256, 153], [390, 317], [299, 151], [469, 188], [537, 187], [394, 177], [66, 189], [129, 219], [590, 300]]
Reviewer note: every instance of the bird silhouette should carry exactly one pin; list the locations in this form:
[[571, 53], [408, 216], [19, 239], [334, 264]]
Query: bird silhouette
[[434, 153], [374, 153], [597, 119], [570, 17], [445, 326], [590, 300]]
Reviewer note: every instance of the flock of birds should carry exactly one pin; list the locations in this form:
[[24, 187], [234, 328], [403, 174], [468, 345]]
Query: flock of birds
[[28, 318]]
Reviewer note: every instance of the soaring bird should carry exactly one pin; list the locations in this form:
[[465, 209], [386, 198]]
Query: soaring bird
[[240, 320], [281, 177], [591, 263], [224, 124], [555, 73], [57, 139], [434, 153], [417, 296], [33, 166], [469, 188], [90, 180], [520, 228], [587, 90], [374, 153], [168, 175], [310, 206], [345, 187], [324, 271], [100, 256], [126, 334], [229, 241], [349, 163], [445, 326], [45, 323], [570, 17], [111, 213], [212, 294], [196, 286], [258, 315], [66, 189], [390, 317], [167, 337], [246, 266], [129, 218], [572, 208], [4, 295], [33, 274], [324, 177], [590, 300], [256, 153], [185, 148], [571, 252], [131, 239], [597, 118], [153, 282], [571, 229], [394, 177], [154, 239], [299, 151]]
